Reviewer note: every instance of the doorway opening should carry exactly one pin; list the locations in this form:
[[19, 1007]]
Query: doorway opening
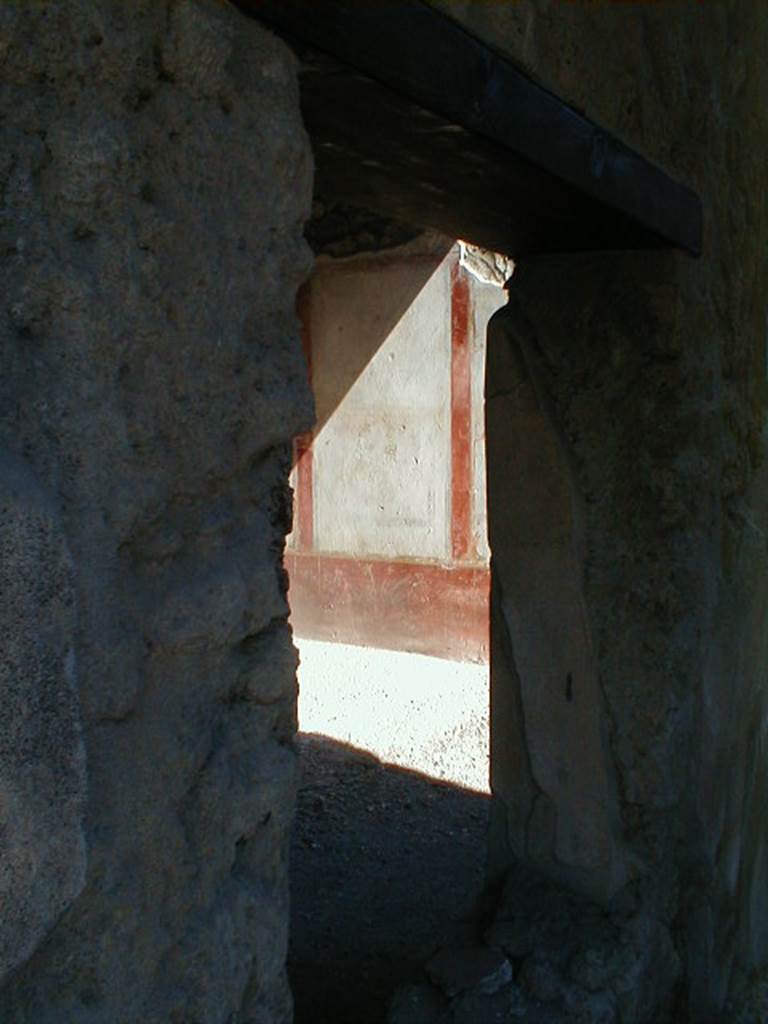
[[388, 563], [466, 144]]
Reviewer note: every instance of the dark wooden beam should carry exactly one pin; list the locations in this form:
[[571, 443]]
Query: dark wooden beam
[[412, 110]]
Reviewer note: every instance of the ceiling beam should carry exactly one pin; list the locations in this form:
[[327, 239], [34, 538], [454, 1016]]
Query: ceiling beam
[[406, 55]]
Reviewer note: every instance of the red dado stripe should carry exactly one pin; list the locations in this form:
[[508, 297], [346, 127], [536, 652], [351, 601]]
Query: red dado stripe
[[304, 515], [461, 418], [421, 607]]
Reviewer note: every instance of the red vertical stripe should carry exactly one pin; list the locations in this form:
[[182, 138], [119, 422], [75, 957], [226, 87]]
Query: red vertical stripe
[[461, 417], [303, 499]]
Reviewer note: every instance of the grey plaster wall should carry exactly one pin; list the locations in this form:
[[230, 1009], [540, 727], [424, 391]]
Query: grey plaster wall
[[154, 178], [653, 369]]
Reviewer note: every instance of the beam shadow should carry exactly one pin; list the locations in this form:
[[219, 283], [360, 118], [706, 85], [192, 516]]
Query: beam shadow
[[350, 321], [387, 866]]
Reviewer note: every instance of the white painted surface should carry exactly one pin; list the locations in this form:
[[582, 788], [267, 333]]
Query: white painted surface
[[421, 713], [382, 454], [381, 373]]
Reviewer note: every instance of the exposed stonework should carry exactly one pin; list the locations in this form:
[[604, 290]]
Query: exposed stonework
[[42, 762], [155, 178], [655, 368], [485, 265], [339, 230], [635, 408]]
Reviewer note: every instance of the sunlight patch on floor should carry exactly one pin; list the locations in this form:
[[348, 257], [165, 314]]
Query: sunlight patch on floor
[[410, 710]]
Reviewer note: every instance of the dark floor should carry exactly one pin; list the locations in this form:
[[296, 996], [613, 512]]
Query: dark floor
[[387, 865]]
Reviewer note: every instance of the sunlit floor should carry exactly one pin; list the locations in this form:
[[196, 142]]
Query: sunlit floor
[[410, 710]]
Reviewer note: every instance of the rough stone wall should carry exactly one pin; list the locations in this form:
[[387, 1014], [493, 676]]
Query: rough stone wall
[[338, 230], [154, 178], [655, 370]]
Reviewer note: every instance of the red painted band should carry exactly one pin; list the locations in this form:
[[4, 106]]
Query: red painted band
[[461, 418], [304, 516], [421, 607]]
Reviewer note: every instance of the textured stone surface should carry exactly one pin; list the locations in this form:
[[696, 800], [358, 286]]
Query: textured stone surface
[[655, 370], [154, 180], [474, 967], [339, 230], [678, 626], [153, 177], [490, 267], [418, 1004], [502, 1007], [42, 761]]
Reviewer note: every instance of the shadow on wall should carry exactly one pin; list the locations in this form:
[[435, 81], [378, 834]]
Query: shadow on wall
[[387, 867], [341, 335]]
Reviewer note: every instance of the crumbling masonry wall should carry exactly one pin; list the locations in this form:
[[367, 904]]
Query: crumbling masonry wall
[[154, 178], [645, 381]]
